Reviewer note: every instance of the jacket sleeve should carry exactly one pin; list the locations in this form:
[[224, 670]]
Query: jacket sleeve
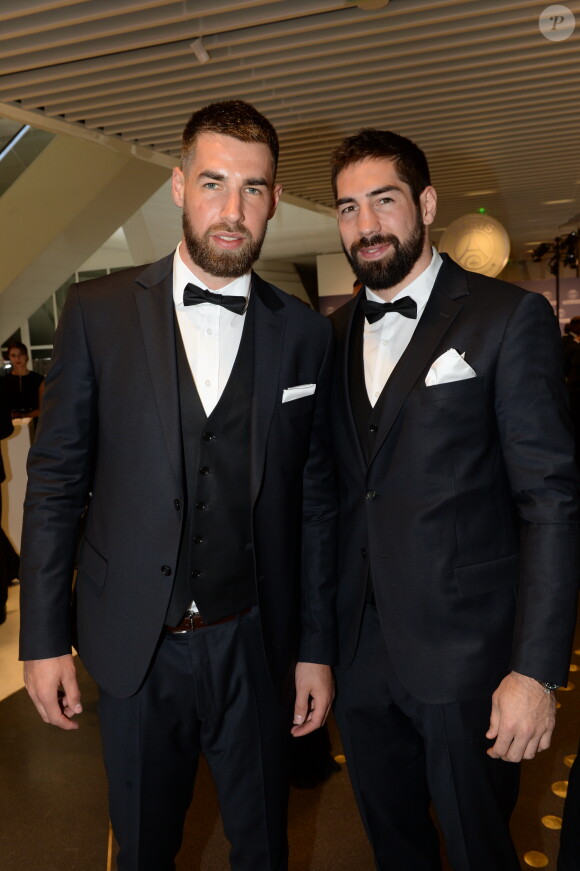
[[319, 530], [538, 450], [60, 467]]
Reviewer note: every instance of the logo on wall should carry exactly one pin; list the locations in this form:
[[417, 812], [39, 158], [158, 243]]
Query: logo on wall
[[478, 243]]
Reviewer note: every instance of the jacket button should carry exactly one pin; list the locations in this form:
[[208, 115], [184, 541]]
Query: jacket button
[[198, 539], [201, 506], [195, 573], [204, 470], [363, 552], [177, 505], [371, 495], [373, 427], [165, 570], [208, 436]]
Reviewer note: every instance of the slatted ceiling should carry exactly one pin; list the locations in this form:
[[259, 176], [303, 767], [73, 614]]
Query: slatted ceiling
[[489, 98]]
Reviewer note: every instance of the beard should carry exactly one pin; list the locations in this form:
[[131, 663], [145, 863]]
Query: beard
[[395, 267], [222, 264]]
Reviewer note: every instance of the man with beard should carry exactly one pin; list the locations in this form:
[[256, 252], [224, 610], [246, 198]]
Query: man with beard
[[458, 524], [189, 399]]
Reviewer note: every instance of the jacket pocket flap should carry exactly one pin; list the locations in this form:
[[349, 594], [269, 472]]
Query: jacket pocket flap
[[486, 577]]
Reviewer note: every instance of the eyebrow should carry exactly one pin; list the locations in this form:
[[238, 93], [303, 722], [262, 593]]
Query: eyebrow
[[384, 190], [221, 176]]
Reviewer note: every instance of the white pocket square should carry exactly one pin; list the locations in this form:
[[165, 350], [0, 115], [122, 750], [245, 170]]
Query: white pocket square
[[298, 392], [450, 366]]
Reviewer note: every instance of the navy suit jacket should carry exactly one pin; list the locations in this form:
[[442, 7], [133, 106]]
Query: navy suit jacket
[[472, 534], [110, 426]]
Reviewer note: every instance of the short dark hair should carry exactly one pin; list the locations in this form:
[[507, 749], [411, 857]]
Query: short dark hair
[[20, 346], [410, 162], [231, 118]]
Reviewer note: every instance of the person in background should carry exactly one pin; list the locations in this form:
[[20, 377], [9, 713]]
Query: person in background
[[570, 342], [204, 593], [6, 550], [459, 520], [24, 386]]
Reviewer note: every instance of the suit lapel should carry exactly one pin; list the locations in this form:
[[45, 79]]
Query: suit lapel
[[269, 329], [154, 299], [441, 310], [345, 324]]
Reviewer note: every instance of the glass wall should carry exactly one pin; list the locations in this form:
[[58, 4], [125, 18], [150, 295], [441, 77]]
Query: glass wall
[[37, 332]]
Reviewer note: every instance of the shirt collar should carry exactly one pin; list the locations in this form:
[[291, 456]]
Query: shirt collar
[[420, 288], [182, 275]]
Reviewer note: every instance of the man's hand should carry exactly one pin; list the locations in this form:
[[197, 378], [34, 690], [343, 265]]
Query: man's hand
[[522, 719], [52, 686], [314, 695]]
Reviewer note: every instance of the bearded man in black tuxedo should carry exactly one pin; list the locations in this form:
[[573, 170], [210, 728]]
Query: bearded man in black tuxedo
[[458, 524], [189, 398]]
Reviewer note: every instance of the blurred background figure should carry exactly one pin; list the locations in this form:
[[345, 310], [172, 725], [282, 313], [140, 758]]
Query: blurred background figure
[[570, 342], [23, 386], [8, 558], [571, 350]]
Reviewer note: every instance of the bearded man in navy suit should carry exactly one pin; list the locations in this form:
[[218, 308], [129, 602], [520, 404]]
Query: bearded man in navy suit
[[189, 398], [458, 524]]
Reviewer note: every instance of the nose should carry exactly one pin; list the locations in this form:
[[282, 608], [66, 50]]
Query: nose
[[232, 209], [368, 222]]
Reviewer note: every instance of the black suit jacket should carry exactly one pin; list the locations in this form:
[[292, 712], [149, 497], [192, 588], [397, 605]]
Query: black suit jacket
[[6, 425], [110, 425], [467, 512]]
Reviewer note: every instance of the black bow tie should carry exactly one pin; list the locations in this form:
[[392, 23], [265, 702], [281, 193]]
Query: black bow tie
[[193, 295], [374, 311]]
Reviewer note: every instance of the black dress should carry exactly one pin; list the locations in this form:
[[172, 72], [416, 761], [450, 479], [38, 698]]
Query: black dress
[[22, 392]]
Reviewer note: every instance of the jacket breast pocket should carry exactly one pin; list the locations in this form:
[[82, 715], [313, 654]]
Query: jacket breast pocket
[[450, 391], [91, 564], [297, 406]]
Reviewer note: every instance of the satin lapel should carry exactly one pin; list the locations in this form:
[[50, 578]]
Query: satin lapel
[[343, 340], [156, 313], [269, 329], [441, 310]]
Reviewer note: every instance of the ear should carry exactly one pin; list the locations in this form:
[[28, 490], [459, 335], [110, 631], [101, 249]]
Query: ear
[[177, 186], [428, 202], [276, 194]]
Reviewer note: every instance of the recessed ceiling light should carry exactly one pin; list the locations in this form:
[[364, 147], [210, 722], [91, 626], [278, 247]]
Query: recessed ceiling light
[[556, 202], [479, 193]]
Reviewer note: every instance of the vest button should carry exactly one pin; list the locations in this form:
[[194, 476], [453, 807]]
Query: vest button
[[204, 470], [195, 573], [208, 436], [201, 506], [198, 539], [177, 505], [363, 552], [371, 495], [373, 427], [165, 570]]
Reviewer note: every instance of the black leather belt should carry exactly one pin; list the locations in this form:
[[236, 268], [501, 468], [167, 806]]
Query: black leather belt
[[195, 621]]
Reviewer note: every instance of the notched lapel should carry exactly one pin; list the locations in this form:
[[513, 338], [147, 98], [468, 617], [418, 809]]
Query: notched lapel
[[343, 340], [269, 329], [444, 305], [156, 314]]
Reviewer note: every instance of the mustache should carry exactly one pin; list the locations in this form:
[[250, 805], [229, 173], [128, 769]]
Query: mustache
[[372, 241], [238, 228]]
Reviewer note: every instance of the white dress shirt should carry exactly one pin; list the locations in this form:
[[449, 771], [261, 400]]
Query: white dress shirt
[[385, 341], [211, 334]]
